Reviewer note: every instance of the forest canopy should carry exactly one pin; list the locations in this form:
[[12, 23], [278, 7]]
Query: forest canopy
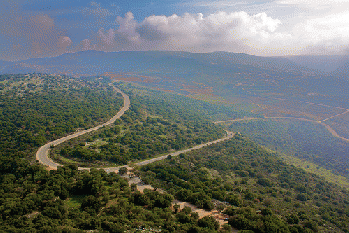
[[256, 190], [156, 123], [262, 193]]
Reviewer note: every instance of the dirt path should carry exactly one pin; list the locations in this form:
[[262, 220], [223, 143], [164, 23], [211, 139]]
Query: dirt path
[[240, 119], [346, 111], [329, 128], [220, 217]]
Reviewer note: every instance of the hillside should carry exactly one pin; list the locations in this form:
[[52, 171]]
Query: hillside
[[257, 190], [156, 123], [97, 62], [229, 75], [36, 108], [266, 86], [323, 63]]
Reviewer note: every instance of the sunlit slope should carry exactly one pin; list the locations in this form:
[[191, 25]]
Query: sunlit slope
[[263, 194]]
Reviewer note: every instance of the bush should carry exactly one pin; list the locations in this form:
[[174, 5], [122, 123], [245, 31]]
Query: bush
[[122, 171], [208, 222]]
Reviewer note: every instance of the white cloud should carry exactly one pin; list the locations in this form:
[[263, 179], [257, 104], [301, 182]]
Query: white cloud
[[311, 2], [235, 32], [308, 27], [280, 27], [321, 25]]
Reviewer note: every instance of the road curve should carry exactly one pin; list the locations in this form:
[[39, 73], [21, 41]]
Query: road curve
[[42, 153]]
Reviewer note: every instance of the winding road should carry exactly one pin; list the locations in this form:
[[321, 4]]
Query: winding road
[[43, 152]]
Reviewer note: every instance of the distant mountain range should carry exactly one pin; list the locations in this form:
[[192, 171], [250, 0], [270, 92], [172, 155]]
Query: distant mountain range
[[227, 74], [335, 64], [97, 62]]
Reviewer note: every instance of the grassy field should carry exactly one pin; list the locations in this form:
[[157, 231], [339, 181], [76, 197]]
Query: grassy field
[[74, 201], [316, 169]]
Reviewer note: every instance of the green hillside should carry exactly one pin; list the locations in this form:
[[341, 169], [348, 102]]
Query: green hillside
[[36, 108], [306, 141], [157, 123], [257, 190], [251, 185]]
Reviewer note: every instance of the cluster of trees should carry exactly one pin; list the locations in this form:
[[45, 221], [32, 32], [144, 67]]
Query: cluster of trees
[[242, 174], [264, 194], [37, 108], [67, 200], [156, 123], [249, 219]]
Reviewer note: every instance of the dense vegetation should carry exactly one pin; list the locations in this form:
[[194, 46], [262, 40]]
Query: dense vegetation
[[269, 86], [261, 193], [156, 123], [36, 108], [304, 140], [68, 200], [265, 194]]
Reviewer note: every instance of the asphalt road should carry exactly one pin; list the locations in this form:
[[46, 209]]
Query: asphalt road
[[148, 161], [42, 153]]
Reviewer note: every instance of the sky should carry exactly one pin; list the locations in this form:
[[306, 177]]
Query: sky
[[49, 28]]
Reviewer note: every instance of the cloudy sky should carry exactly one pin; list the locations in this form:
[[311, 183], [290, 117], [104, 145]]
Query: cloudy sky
[[46, 28]]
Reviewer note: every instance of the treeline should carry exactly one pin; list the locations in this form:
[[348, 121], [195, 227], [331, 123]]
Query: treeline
[[156, 123], [257, 190]]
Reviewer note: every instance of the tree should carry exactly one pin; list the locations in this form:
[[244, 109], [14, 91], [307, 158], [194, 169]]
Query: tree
[[311, 225], [208, 222], [239, 222], [176, 208], [91, 202], [122, 171], [292, 219], [133, 187]]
